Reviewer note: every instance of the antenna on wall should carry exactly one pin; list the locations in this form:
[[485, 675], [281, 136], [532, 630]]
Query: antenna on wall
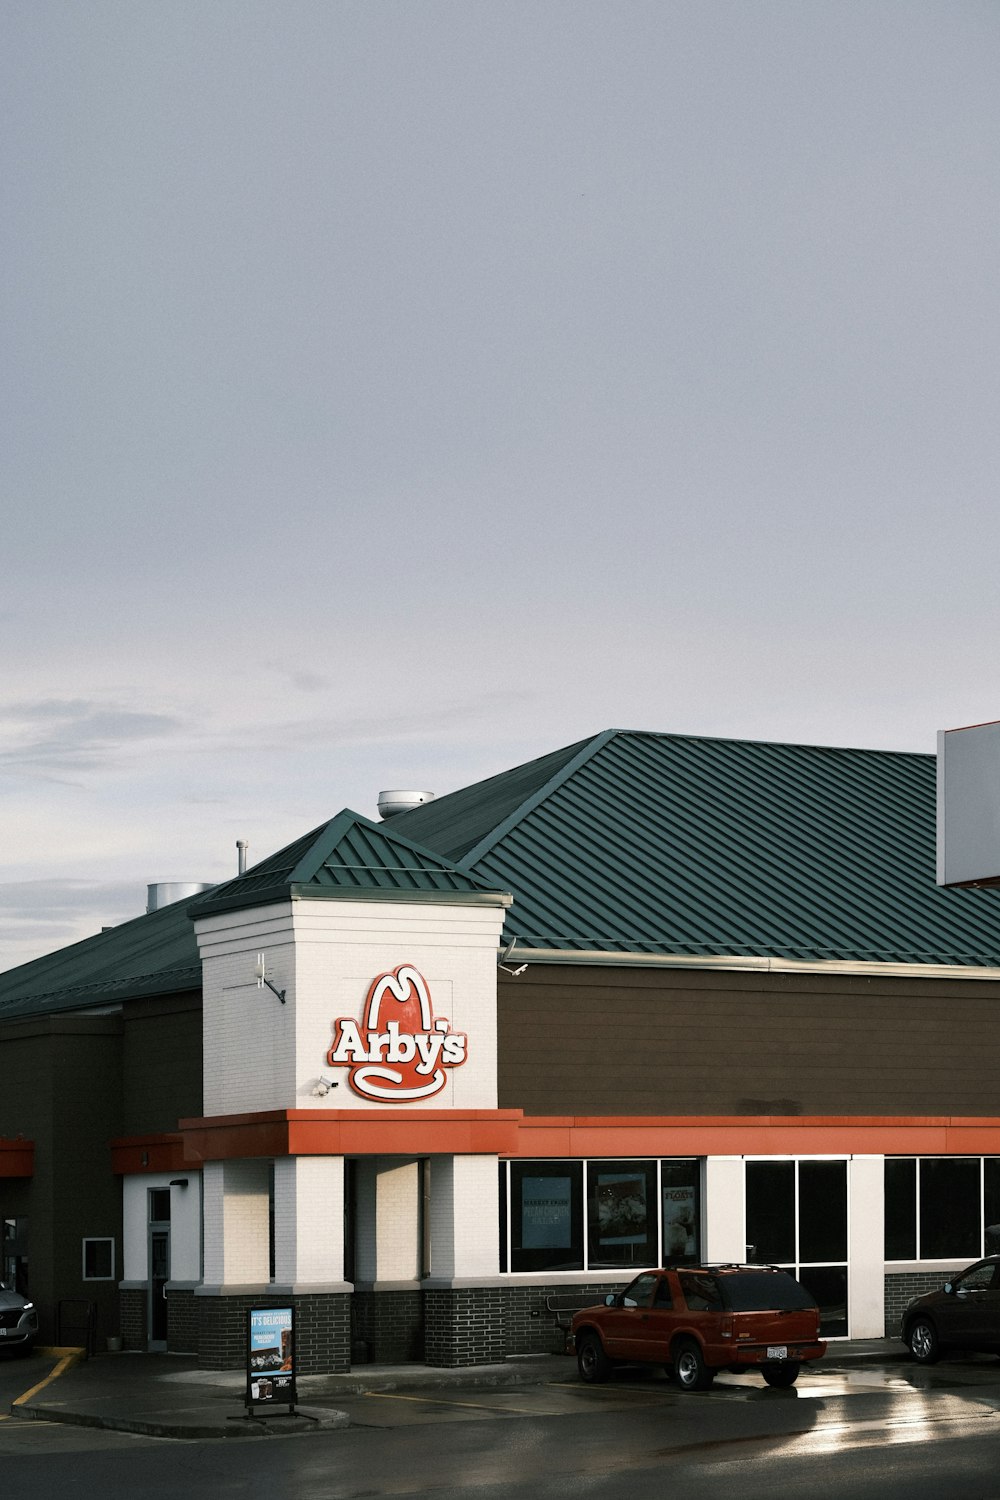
[[260, 970]]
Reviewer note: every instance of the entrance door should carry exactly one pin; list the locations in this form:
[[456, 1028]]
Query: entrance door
[[158, 1264], [796, 1218]]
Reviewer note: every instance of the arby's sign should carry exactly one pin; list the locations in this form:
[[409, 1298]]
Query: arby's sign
[[399, 1051]]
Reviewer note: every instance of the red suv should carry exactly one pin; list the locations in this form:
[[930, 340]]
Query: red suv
[[700, 1319]]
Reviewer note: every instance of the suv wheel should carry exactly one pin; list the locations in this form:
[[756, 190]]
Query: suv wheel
[[591, 1360], [780, 1376], [690, 1369], [923, 1341]]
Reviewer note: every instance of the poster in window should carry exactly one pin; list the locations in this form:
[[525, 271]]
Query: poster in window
[[680, 1227], [546, 1213], [621, 1208]]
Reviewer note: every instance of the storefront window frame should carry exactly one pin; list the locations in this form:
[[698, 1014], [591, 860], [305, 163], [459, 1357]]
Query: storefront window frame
[[794, 1267], [949, 1260], [590, 1166]]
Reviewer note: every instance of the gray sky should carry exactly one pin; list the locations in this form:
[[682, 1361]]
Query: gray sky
[[397, 391]]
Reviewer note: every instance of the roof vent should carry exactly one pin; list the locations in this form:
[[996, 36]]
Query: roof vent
[[165, 892], [392, 803]]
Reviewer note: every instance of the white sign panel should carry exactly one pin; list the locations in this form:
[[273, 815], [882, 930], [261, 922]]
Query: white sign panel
[[968, 805]]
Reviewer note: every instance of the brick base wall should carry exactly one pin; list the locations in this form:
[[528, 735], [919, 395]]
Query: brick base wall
[[901, 1286], [387, 1328], [463, 1326], [445, 1327], [132, 1310], [182, 1322], [529, 1328], [322, 1332]]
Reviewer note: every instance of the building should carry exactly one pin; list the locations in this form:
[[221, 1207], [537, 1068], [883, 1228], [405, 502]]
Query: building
[[646, 998]]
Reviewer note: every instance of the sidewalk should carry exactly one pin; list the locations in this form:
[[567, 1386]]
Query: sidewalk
[[167, 1395]]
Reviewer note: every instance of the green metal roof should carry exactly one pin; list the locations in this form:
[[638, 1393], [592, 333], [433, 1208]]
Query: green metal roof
[[349, 857], [154, 954], [629, 846], [664, 844]]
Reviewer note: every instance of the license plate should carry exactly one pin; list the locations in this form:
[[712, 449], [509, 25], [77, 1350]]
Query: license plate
[[3, 1333], [777, 1351]]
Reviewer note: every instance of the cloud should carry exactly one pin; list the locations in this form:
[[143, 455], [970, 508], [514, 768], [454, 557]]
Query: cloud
[[74, 734], [41, 916], [397, 725], [306, 682]]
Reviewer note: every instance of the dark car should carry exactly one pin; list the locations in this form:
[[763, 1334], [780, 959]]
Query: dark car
[[18, 1320], [962, 1314], [696, 1320]]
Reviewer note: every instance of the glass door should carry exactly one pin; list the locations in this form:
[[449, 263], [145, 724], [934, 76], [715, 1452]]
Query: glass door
[[158, 1264], [796, 1218]]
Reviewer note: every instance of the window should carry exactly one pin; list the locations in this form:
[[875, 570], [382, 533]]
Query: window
[[950, 1213], [99, 1260], [701, 1293], [900, 1209], [640, 1293], [621, 1213], [14, 1262], [159, 1205], [599, 1215], [942, 1207], [771, 1211], [546, 1214]]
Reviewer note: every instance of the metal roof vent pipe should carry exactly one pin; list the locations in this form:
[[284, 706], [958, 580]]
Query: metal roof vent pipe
[[166, 892], [391, 804]]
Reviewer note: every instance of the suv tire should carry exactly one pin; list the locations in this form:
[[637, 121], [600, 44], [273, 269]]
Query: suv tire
[[923, 1341], [781, 1376], [690, 1369], [591, 1360]]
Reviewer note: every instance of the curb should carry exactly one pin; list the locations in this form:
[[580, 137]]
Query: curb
[[315, 1420]]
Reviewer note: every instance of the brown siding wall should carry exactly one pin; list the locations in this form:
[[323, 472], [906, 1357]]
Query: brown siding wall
[[162, 1056], [595, 1040], [62, 1089]]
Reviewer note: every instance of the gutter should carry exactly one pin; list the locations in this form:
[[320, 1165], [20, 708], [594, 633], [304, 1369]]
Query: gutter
[[750, 962]]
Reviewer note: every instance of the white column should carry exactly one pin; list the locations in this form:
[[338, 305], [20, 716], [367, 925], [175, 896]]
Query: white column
[[464, 1218], [866, 1247], [309, 1223], [236, 1223], [724, 1236], [388, 1222]]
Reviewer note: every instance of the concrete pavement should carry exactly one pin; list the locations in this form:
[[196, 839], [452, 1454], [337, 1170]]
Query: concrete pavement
[[167, 1395]]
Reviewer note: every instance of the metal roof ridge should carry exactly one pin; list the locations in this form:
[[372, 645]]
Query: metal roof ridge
[[742, 739], [537, 798]]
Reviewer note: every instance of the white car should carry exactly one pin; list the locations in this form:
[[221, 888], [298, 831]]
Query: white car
[[18, 1320]]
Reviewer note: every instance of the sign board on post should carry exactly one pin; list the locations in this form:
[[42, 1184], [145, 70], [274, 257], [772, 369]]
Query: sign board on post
[[270, 1357]]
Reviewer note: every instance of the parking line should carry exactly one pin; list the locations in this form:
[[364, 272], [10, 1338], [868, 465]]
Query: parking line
[[431, 1401], [70, 1357]]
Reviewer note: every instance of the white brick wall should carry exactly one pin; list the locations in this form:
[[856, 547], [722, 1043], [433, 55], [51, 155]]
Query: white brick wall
[[388, 1220], [866, 1247], [185, 1226], [725, 1209], [464, 1214], [309, 1220], [397, 1222], [262, 1055], [236, 1223]]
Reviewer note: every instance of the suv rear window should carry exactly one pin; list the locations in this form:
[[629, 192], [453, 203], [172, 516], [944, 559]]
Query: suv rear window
[[764, 1291]]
